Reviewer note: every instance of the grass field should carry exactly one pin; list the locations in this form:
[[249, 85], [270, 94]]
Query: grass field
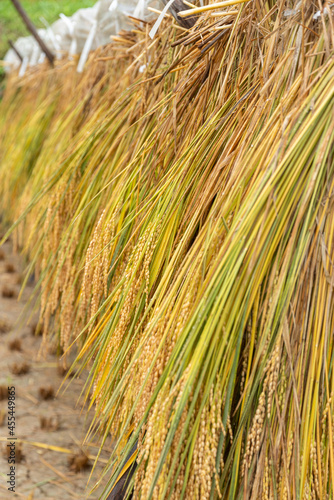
[[11, 25]]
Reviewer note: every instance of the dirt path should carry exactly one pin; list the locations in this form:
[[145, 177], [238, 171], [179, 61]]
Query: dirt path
[[42, 420]]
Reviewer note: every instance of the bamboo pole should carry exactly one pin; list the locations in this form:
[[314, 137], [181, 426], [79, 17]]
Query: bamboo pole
[[15, 50], [33, 31], [225, 14]]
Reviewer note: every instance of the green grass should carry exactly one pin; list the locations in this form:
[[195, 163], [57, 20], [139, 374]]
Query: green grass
[[11, 25]]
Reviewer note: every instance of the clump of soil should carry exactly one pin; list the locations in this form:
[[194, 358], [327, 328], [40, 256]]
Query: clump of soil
[[35, 329], [54, 349], [47, 392], [15, 345], [64, 370], [10, 268], [19, 279], [2, 417], [19, 456], [3, 392], [5, 327], [19, 453], [8, 292], [20, 368], [2, 254], [49, 423], [79, 462]]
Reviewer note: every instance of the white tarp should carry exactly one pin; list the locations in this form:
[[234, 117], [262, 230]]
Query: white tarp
[[86, 30]]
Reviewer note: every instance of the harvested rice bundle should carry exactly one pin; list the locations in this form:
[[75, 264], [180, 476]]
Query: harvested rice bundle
[[186, 244]]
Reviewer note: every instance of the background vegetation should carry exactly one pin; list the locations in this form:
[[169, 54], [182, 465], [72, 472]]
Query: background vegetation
[[11, 25]]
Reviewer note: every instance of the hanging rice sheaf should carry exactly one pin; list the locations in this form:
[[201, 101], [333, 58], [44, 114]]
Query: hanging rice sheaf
[[176, 204]]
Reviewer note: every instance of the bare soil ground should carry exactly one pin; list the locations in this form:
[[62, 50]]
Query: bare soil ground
[[44, 419]]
